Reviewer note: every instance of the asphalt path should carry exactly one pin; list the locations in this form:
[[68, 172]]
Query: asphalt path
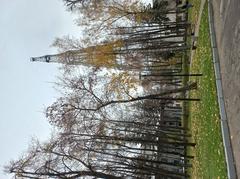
[[227, 27]]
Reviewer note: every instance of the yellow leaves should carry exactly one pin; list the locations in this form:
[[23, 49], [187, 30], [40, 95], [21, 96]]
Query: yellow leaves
[[130, 9], [131, 6], [103, 55], [123, 83], [173, 61], [138, 18]]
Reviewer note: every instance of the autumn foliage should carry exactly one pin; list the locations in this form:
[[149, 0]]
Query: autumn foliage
[[122, 117]]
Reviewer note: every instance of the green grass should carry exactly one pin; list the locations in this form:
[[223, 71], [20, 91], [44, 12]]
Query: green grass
[[194, 11], [192, 17], [209, 162]]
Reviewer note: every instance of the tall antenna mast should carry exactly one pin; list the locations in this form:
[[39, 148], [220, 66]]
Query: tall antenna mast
[[71, 57]]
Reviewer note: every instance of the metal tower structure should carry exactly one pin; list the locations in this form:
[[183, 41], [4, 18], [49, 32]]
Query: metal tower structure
[[72, 57], [46, 58]]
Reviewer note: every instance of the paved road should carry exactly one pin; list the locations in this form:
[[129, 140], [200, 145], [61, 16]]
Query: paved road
[[227, 25]]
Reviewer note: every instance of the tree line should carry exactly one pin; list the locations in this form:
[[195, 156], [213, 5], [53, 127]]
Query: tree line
[[110, 121]]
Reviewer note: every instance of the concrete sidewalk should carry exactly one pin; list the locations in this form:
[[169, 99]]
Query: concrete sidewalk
[[227, 27]]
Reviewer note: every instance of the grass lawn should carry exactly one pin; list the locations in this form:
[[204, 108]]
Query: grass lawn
[[194, 11], [204, 122]]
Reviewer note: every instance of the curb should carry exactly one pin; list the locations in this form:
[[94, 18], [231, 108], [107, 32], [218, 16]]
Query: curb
[[231, 168]]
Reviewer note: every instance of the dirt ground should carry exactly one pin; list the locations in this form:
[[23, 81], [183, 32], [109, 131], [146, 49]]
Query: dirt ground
[[227, 27]]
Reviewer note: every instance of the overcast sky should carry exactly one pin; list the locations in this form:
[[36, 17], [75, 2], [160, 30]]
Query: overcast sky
[[28, 27]]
